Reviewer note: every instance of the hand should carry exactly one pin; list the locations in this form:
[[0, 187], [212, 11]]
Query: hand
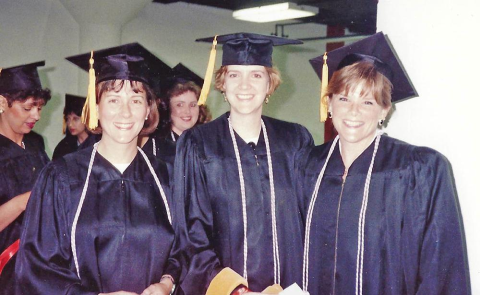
[[119, 293], [157, 289]]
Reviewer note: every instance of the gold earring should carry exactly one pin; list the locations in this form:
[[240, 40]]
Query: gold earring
[[224, 96], [266, 98]]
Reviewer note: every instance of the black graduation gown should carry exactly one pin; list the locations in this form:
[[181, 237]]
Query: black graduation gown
[[67, 145], [123, 236], [212, 200], [414, 241], [19, 169], [164, 150]]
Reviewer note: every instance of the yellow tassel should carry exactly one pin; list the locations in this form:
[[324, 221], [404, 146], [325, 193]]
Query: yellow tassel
[[209, 73], [89, 112], [323, 90], [64, 128]]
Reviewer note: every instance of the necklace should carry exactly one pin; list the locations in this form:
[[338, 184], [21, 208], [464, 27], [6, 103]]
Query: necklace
[[173, 136], [23, 145], [276, 256]]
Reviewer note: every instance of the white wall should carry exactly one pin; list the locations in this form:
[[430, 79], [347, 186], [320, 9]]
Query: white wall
[[437, 43]]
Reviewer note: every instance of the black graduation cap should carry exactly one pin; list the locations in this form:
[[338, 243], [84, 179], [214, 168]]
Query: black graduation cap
[[377, 50], [241, 49], [125, 62], [182, 74], [18, 78], [249, 48], [73, 104]]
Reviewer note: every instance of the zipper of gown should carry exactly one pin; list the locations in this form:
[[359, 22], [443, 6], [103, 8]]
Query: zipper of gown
[[344, 177]]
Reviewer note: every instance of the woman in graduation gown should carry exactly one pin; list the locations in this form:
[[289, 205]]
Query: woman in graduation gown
[[99, 219], [382, 216], [234, 176], [75, 130], [179, 111], [22, 156]]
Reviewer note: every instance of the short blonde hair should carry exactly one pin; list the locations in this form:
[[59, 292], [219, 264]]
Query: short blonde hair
[[273, 75], [349, 77]]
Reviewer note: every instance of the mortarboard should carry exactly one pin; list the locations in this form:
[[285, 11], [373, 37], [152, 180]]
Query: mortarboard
[[73, 104], [183, 74], [125, 62], [374, 49], [242, 49], [18, 78]]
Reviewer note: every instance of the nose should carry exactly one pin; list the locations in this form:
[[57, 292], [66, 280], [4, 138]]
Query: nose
[[354, 108], [36, 113], [245, 83], [126, 112]]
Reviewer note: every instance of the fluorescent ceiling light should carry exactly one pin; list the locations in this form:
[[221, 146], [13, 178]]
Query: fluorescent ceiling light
[[274, 12]]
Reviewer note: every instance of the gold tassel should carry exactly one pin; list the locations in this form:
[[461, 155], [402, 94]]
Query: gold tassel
[[209, 73], [89, 111], [64, 128], [323, 91]]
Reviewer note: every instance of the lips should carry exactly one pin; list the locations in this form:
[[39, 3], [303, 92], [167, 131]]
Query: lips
[[245, 96], [30, 125], [352, 124], [123, 126]]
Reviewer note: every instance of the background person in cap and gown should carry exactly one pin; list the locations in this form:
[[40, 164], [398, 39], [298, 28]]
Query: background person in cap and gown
[[179, 111], [382, 215], [234, 175], [75, 130], [99, 219], [22, 156]]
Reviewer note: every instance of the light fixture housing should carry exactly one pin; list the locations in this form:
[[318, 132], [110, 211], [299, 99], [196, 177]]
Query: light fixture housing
[[275, 12]]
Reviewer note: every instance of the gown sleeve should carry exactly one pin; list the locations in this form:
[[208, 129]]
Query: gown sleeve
[[194, 217], [438, 246], [45, 263]]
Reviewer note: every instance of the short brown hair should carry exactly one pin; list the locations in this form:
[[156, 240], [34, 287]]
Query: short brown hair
[[349, 77], [273, 76], [116, 85]]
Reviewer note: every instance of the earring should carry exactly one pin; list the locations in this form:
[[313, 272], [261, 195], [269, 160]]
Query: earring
[[266, 98], [224, 96], [146, 118], [380, 123], [1, 111], [330, 115]]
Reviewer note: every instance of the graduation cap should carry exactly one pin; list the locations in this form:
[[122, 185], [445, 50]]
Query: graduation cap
[[125, 62], [375, 50], [19, 78], [73, 104], [242, 49], [182, 74]]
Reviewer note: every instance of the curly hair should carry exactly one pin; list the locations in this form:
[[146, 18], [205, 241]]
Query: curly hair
[[179, 88], [116, 85], [40, 96]]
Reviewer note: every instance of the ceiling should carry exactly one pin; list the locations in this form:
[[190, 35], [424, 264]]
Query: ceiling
[[358, 16]]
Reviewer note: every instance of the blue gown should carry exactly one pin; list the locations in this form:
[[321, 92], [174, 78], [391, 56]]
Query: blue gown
[[123, 235], [207, 183], [19, 169], [414, 241]]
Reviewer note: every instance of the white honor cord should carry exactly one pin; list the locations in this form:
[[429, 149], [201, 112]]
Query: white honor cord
[[309, 217], [276, 259], [79, 208], [361, 221], [84, 192], [154, 147], [361, 230]]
